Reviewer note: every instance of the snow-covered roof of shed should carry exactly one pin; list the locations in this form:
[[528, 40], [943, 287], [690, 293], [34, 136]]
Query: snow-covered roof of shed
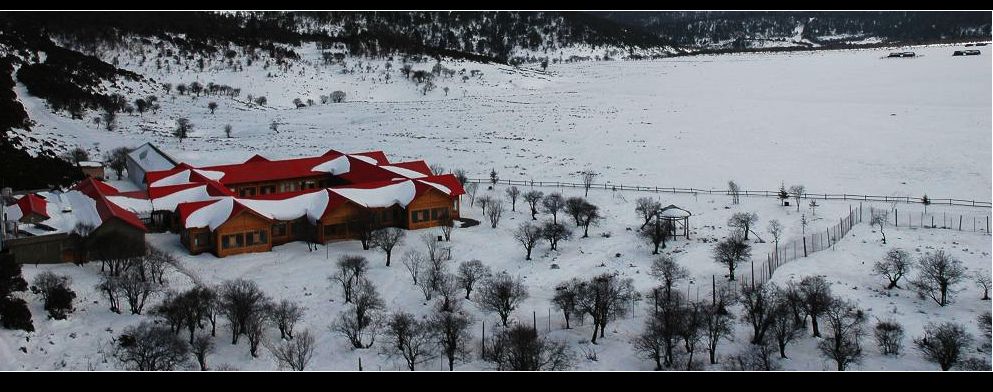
[[674, 212], [150, 158]]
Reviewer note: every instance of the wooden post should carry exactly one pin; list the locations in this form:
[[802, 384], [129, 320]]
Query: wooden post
[[896, 217], [932, 221], [753, 274], [360, 364], [713, 283], [960, 222], [484, 337]]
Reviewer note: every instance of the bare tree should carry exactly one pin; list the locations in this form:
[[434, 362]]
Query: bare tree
[[386, 239], [351, 270], [437, 169], [889, 337], [212, 106], [109, 286], [513, 193], [533, 197], [845, 329], [501, 294], [408, 338], [528, 235], [147, 347], [667, 271], [944, 344], [983, 281], [552, 204], [718, 324], [241, 302], [520, 348], [573, 207], [660, 335], [589, 215], [483, 202], [461, 175], [447, 224], [776, 229], [743, 221], [567, 299], [937, 273], [656, 234], [588, 176], [647, 209], [731, 252], [183, 128], [470, 189], [879, 218], [360, 322], [495, 212], [136, 290], [202, 346], [758, 305], [893, 266], [605, 298], [447, 287], [451, 330], [413, 261], [294, 354], [254, 330], [555, 232], [756, 357], [285, 316], [815, 299], [734, 190], [797, 191], [117, 160], [783, 325], [227, 130], [471, 272]]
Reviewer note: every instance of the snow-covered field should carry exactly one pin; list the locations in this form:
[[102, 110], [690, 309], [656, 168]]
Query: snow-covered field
[[836, 121]]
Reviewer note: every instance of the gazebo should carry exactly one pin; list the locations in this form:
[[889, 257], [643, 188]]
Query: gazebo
[[676, 216]]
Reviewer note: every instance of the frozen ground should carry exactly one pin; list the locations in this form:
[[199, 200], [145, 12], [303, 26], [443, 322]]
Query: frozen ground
[[292, 272], [836, 121]]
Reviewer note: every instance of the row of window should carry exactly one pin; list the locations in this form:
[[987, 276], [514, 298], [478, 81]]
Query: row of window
[[248, 238], [289, 186], [425, 215]]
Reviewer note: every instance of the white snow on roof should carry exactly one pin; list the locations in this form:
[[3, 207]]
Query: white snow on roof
[[165, 203], [407, 173], [400, 193], [437, 186], [183, 177], [84, 209], [674, 212], [212, 215], [13, 212], [150, 159], [90, 164], [337, 166], [365, 159], [311, 205]]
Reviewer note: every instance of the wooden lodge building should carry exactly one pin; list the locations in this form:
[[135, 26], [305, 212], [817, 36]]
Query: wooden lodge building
[[245, 207]]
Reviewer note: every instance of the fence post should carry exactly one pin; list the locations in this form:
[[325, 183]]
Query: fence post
[[896, 217], [960, 222]]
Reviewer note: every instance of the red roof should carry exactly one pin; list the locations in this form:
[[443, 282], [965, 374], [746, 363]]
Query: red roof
[[417, 166], [33, 204], [98, 191], [185, 209], [153, 176]]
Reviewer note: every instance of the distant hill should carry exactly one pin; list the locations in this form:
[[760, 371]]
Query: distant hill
[[767, 29]]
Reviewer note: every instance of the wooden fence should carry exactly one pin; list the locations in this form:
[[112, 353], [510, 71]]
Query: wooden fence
[[758, 193]]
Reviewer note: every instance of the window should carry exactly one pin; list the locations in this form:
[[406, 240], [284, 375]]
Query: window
[[287, 187], [420, 216], [387, 216], [334, 230], [309, 184], [201, 239], [233, 241], [299, 228], [439, 213], [247, 192], [267, 189], [258, 237], [279, 229]]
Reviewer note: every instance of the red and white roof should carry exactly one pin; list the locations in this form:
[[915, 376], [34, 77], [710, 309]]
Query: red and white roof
[[314, 204]]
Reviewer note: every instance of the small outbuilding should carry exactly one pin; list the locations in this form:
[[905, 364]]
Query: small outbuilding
[[677, 218]]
